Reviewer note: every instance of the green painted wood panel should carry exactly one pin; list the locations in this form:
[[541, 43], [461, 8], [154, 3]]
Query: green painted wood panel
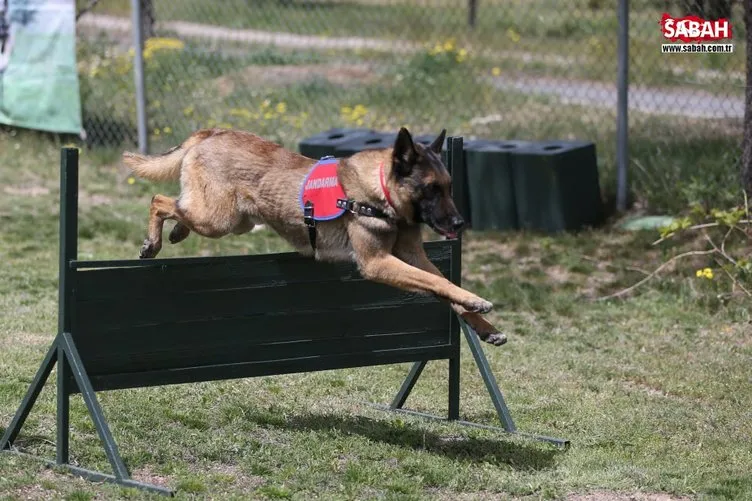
[[271, 367]]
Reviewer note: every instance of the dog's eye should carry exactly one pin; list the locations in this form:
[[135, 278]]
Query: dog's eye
[[432, 189]]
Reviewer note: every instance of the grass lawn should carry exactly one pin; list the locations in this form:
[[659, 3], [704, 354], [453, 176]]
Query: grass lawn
[[653, 390]]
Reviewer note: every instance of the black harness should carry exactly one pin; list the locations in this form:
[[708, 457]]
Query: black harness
[[351, 206]]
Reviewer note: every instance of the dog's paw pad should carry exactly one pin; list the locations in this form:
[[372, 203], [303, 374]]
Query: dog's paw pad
[[496, 339], [148, 250], [480, 306]]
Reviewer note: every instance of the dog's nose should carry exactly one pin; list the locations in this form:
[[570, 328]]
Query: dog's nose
[[457, 223]]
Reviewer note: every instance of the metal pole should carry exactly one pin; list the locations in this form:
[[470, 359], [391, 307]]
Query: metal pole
[[622, 121], [138, 75]]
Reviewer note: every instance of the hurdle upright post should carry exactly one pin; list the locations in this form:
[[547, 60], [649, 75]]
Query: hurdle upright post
[[455, 159], [68, 252]]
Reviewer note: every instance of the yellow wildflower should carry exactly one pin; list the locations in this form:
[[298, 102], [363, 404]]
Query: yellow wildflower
[[705, 273], [155, 44], [241, 112], [167, 130], [513, 35], [188, 111], [449, 45], [131, 180], [281, 107], [496, 71]]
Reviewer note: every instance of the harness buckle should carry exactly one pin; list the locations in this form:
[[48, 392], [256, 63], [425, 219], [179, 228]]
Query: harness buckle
[[308, 215], [346, 204]]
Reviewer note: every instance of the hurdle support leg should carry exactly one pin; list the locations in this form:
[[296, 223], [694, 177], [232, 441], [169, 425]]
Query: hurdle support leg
[[408, 384], [492, 386], [30, 398], [63, 352]]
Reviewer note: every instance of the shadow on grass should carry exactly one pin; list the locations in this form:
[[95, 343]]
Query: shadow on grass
[[524, 457]]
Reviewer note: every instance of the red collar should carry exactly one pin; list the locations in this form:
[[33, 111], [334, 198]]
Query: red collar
[[383, 186]]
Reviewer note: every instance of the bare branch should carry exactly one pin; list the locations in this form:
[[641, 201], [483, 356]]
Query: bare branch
[[735, 281], [84, 10], [655, 272]]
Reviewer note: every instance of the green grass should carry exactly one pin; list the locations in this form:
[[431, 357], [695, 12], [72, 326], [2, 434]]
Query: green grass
[[653, 391]]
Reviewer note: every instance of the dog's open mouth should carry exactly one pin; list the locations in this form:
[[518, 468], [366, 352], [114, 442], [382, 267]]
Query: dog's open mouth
[[445, 233]]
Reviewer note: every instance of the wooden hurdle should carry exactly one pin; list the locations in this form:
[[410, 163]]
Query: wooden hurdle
[[264, 314]]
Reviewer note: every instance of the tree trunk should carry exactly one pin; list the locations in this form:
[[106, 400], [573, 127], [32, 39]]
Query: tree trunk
[[718, 9], [747, 141], [148, 18], [692, 7]]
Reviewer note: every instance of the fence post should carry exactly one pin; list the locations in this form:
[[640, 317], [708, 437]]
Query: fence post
[[472, 11], [138, 75], [622, 121]]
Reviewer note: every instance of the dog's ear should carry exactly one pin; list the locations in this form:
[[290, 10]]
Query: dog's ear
[[404, 155], [438, 143]]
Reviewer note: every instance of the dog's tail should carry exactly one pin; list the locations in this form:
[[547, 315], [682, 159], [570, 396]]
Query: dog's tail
[[156, 167], [162, 167]]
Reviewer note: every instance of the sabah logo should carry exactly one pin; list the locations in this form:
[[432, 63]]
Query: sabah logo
[[694, 29], [695, 34]]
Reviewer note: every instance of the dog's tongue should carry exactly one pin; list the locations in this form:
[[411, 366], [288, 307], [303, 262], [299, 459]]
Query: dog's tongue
[[451, 235]]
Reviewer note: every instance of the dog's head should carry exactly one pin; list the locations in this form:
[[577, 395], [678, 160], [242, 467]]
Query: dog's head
[[424, 183]]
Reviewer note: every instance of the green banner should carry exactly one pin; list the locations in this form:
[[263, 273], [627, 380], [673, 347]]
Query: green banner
[[38, 78]]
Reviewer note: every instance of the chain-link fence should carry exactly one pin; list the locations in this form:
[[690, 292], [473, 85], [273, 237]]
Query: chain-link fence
[[507, 69]]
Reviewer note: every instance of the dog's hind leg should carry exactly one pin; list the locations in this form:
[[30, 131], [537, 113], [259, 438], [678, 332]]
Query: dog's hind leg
[[162, 208], [179, 233]]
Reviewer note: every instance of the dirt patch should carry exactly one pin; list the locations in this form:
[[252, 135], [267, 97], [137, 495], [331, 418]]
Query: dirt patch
[[625, 496], [42, 489], [147, 476], [88, 200], [25, 339], [339, 74], [636, 385], [27, 191]]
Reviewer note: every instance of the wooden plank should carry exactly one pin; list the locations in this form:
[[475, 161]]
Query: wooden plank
[[433, 249], [217, 304], [181, 357], [298, 325], [252, 369], [220, 274]]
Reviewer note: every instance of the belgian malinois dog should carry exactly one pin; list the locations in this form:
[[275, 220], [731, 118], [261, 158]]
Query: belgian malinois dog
[[232, 180]]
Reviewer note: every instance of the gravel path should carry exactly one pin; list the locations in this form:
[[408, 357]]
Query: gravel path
[[681, 102]]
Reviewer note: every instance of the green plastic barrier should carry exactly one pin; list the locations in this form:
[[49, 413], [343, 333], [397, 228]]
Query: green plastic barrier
[[490, 184], [371, 140], [325, 143], [556, 186]]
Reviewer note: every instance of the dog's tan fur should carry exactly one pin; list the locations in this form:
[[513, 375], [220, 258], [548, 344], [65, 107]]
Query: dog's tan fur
[[231, 180]]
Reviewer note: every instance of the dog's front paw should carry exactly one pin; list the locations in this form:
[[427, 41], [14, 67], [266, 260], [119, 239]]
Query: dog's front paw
[[479, 305], [496, 339], [149, 249]]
